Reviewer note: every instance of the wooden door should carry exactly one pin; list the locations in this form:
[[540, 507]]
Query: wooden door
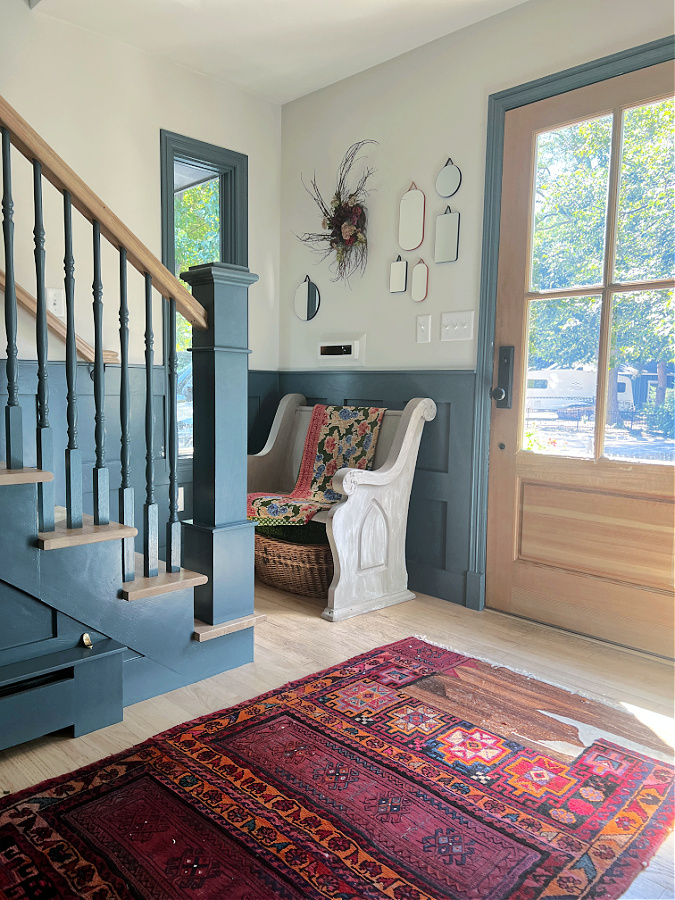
[[580, 508]]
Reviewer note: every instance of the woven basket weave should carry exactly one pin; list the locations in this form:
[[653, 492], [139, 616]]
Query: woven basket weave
[[305, 569]]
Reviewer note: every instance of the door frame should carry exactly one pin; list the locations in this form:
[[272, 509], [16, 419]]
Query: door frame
[[499, 104]]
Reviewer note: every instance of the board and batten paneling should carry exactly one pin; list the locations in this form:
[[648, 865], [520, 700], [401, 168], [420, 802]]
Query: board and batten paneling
[[437, 546]]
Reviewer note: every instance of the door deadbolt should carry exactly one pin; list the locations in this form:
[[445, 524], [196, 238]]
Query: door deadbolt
[[501, 394]]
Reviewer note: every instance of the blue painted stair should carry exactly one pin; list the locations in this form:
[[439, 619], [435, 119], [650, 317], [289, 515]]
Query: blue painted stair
[[49, 598]]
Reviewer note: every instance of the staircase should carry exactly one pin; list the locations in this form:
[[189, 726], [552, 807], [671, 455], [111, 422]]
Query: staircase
[[89, 625]]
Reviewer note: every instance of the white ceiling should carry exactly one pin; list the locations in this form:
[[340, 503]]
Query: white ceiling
[[281, 49]]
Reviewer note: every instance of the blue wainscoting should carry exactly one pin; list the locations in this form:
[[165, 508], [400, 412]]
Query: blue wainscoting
[[440, 507]]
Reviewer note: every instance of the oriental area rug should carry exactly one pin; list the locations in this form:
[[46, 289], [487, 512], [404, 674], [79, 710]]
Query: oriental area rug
[[409, 773]]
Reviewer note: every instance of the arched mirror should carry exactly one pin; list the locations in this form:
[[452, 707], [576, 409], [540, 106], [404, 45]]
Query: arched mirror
[[411, 219], [307, 300], [448, 179], [420, 281]]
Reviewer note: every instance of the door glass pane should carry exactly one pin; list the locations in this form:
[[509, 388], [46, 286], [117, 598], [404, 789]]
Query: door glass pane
[[197, 240], [640, 419], [562, 367], [646, 225], [570, 205]]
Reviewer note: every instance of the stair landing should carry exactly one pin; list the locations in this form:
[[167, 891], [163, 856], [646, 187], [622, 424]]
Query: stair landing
[[23, 476], [62, 536]]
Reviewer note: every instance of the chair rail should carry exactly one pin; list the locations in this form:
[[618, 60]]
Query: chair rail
[[58, 328], [59, 173]]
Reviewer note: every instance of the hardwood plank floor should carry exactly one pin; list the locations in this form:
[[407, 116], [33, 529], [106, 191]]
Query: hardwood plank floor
[[295, 641]]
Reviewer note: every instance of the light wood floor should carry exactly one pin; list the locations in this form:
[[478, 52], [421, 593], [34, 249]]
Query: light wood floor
[[295, 641]]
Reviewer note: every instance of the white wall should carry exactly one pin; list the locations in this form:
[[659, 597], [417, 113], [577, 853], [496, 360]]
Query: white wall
[[423, 107], [101, 104]]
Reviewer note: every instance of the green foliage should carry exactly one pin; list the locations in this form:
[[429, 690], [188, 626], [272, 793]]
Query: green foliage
[[662, 417], [570, 205], [538, 442], [643, 328], [646, 227], [564, 332], [569, 240], [197, 225], [196, 214]]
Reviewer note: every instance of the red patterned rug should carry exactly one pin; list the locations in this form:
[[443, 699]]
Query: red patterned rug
[[342, 785]]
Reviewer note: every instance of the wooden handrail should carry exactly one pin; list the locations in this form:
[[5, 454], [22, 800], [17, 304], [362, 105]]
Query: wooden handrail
[[84, 350], [33, 147]]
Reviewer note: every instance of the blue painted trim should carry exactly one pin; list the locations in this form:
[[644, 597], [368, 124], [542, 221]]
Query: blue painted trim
[[233, 169], [498, 105]]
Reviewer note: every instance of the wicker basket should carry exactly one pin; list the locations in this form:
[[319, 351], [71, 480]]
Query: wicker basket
[[305, 569]]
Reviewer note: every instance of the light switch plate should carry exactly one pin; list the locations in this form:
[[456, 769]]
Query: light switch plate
[[424, 329], [457, 326], [56, 302]]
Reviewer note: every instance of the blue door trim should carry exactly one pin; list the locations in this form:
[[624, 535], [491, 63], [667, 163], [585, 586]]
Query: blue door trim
[[498, 105]]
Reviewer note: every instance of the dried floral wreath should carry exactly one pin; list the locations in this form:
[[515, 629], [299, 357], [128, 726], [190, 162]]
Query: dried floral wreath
[[344, 220]]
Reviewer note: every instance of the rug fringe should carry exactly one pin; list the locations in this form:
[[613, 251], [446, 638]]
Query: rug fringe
[[586, 695]]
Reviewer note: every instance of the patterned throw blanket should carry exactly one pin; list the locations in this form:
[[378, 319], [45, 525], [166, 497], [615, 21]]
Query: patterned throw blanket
[[337, 436]]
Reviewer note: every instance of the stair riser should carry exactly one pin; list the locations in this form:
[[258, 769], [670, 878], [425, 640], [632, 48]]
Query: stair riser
[[144, 678]]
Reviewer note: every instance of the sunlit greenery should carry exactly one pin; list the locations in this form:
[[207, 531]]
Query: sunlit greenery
[[197, 236], [569, 243]]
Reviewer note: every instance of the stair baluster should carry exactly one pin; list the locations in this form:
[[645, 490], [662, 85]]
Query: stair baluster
[[73, 453], [173, 526], [101, 476], [150, 509], [13, 425], [126, 490], [45, 446]]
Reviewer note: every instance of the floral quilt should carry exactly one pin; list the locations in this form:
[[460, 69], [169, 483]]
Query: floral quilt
[[337, 436]]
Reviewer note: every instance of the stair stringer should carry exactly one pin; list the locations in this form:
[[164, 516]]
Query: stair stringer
[[84, 583]]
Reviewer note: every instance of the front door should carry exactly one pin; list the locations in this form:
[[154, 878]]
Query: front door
[[580, 508]]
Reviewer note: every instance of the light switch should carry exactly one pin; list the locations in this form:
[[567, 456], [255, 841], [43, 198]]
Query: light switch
[[423, 329], [56, 302], [457, 326]]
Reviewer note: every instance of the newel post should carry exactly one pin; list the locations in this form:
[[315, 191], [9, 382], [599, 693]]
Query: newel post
[[219, 541]]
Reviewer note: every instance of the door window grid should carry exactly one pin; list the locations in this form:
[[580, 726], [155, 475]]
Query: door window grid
[[609, 289]]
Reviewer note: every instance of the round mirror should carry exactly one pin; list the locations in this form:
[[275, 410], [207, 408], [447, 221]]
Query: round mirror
[[307, 300], [448, 180]]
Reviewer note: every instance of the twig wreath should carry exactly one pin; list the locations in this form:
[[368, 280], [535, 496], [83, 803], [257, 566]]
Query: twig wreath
[[344, 219]]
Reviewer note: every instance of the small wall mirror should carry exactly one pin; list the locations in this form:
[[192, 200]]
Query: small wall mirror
[[420, 281], [307, 300], [411, 219], [398, 276], [448, 179], [446, 247]]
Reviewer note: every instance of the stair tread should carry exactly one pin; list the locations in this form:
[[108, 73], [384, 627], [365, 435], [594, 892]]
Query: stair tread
[[163, 583], [205, 632], [23, 476], [62, 536], [52, 662]]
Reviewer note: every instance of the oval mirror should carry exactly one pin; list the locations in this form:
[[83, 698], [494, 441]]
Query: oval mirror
[[411, 219], [420, 281], [448, 180], [307, 300]]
